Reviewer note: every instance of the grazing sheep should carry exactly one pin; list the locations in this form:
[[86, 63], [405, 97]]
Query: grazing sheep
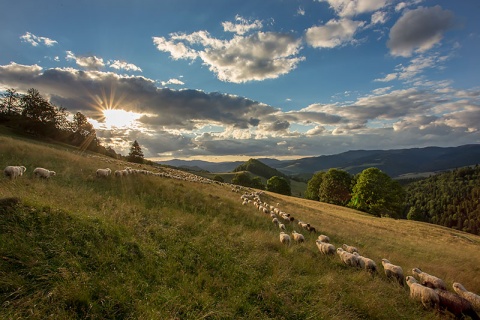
[[393, 272], [275, 221], [13, 172], [429, 280], [43, 173], [325, 247], [470, 296], [311, 229], [298, 237], [324, 238], [350, 249], [456, 304], [284, 238], [348, 258], [366, 263], [281, 226], [103, 172], [427, 296]]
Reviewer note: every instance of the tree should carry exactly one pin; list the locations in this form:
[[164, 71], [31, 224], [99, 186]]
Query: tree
[[242, 179], [335, 187], [10, 102], [279, 185], [313, 186], [218, 178], [376, 193], [136, 154]]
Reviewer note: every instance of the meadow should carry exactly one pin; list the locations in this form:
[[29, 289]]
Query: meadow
[[148, 247]]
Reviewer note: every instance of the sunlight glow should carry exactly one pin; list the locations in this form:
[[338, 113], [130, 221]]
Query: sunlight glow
[[117, 118]]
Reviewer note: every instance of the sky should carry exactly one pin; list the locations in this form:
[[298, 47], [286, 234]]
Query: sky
[[226, 80]]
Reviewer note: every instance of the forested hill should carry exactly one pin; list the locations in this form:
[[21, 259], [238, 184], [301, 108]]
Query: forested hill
[[259, 168], [450, 199]]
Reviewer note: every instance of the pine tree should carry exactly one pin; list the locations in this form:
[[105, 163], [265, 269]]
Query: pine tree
[[136, 154]]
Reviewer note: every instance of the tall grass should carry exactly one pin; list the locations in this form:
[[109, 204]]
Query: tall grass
[[146, 247]]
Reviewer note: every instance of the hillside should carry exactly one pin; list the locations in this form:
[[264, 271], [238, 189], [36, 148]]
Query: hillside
[[173, 246], [259, 168]]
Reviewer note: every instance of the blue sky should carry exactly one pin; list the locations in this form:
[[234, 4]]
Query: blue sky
[[222, 80]]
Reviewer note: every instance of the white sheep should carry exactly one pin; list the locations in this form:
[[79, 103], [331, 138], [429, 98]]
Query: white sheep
[[393, 272], [13, 172], [456, 304], [43, 173], [275, 221], [284, 238], [429, 280], [470, 296], [348, 258], [297, 237], [427, 296], [103, 172], [366, 263], [325, 247], [349, 249], [281, 226], [324, 238]]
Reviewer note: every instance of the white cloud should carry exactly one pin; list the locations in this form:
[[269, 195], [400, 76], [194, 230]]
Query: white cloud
[[259, 56], [389, 77], [35, 40], [241, 25], [350, 8], [379, 17], [123, 65], [87, 62], [334, 33], [172, 81], [419, 30]]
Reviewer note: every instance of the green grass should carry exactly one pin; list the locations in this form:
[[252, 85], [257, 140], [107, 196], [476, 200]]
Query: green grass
[[147, 247]]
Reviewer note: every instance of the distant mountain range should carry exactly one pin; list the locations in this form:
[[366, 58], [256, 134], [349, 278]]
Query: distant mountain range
[[396, 163]]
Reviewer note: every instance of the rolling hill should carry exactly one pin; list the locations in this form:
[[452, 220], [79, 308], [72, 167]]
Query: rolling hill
[[175, 246], [396, 162]]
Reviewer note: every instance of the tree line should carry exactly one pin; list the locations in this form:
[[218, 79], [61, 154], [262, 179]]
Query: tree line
[[450, 199], [31, 113]]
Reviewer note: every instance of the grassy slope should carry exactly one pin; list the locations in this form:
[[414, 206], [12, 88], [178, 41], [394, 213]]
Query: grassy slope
[[157, 248]]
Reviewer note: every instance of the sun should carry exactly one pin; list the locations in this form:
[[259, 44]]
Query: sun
[[118, 118]]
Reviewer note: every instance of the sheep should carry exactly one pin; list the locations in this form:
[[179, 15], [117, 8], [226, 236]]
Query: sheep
[[348, 258], [366, 263], [456, 304], [43, 173], [298, 237], [103, 172], [13, 172], [470, 296], [429, 280], [284, 238], [281, 226], [275, 221], [325, 247], [324, 238], [427, 296], [393, 272], [349, 249]]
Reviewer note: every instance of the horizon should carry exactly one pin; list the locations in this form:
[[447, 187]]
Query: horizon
[[220, 80]]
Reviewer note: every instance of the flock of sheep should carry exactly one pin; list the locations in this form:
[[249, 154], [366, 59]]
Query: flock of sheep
[[428, 289]]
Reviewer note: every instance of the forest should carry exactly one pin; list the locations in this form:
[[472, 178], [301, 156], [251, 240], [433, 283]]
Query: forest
[[450, 199]]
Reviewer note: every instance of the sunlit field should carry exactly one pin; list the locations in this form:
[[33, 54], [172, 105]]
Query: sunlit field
[[161, 247]]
